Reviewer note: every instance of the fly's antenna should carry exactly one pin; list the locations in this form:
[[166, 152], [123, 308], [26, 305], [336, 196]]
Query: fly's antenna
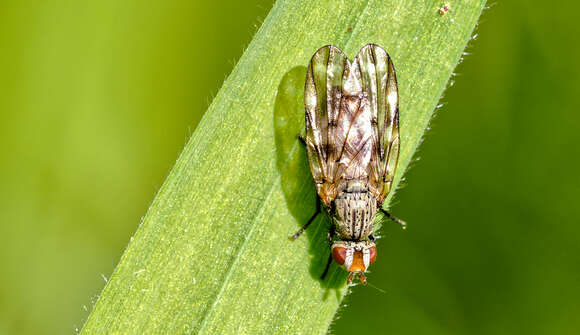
[[362, 278], [350, 277]]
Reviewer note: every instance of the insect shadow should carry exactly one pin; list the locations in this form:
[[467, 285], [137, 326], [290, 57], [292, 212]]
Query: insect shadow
[[296, 180]]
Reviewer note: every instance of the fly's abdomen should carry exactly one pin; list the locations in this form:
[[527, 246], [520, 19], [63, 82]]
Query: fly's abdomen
[[354, 214]]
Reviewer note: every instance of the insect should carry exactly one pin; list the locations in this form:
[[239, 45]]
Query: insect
[[444, 9], [352, 140]]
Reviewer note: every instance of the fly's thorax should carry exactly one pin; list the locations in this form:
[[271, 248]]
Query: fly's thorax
[[354, 214], [354, 256]]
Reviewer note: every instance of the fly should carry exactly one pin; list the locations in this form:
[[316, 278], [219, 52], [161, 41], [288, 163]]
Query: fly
[[352, 140]]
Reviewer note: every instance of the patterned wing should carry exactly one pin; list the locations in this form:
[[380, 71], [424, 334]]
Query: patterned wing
[[322, 99], [340, 123], [379, 86]]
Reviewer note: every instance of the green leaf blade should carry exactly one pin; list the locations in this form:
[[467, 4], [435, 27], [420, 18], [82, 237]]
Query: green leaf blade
[[212, 254]]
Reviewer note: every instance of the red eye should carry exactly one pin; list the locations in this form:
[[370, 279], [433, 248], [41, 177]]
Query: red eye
[[373, 254], [339, 255]]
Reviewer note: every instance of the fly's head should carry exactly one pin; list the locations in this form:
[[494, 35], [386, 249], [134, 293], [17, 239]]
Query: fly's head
[[355, 257]]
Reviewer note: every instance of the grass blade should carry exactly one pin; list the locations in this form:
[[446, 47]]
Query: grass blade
[[212, 254]]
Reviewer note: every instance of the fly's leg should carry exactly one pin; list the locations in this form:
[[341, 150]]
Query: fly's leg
[[299, 232], [395, 219], [327, 267], [302, 139], [329, 237]]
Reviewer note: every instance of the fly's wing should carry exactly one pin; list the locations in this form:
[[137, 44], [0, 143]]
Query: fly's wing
[[322, 99], [339, 129], [379, 86]]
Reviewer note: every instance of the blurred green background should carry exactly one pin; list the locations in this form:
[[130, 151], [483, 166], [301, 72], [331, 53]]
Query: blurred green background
[[98, 99]]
